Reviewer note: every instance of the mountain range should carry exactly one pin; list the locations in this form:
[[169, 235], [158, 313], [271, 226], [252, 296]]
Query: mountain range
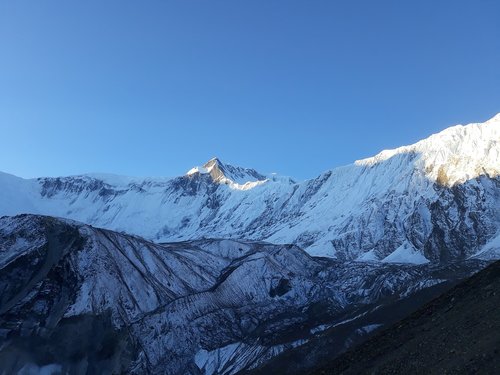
[[403, 205], [226, 270]]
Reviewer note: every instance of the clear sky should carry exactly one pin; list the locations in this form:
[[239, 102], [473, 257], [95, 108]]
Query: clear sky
[[295, 87]]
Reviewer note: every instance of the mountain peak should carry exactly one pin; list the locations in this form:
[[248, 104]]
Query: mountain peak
[[213, 167], [214, 164], [228, 174], [215, 160]]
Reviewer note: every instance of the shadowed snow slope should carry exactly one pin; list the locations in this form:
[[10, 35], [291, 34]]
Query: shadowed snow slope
[[79, 299], [403, 205]]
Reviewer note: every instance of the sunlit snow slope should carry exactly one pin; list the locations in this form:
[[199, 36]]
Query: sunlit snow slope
[[437, 200]]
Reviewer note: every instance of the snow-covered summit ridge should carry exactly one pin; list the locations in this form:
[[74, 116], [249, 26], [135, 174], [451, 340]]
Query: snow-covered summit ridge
[[235, 177], [454, 155]]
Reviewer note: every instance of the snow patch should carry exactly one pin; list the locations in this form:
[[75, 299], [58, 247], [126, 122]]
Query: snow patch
[[491, 250], [195, 170], [406, 254], [370, 328], [369, 256]]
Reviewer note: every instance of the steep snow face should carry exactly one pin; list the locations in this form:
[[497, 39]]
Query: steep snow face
[[120, 304], [435, 201], [455, 155]]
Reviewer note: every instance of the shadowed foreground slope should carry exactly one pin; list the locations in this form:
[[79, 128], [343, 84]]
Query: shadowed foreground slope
[[82, 300], [457, 333]]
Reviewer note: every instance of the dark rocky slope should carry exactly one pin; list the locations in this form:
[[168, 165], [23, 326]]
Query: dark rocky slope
[[457, 333]]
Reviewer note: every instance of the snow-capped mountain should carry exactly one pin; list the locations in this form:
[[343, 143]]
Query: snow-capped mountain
[[82, 300], [437, 200], [81, 297]]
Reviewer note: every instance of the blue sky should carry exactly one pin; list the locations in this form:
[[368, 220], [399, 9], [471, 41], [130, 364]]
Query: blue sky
[[294, 87]]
